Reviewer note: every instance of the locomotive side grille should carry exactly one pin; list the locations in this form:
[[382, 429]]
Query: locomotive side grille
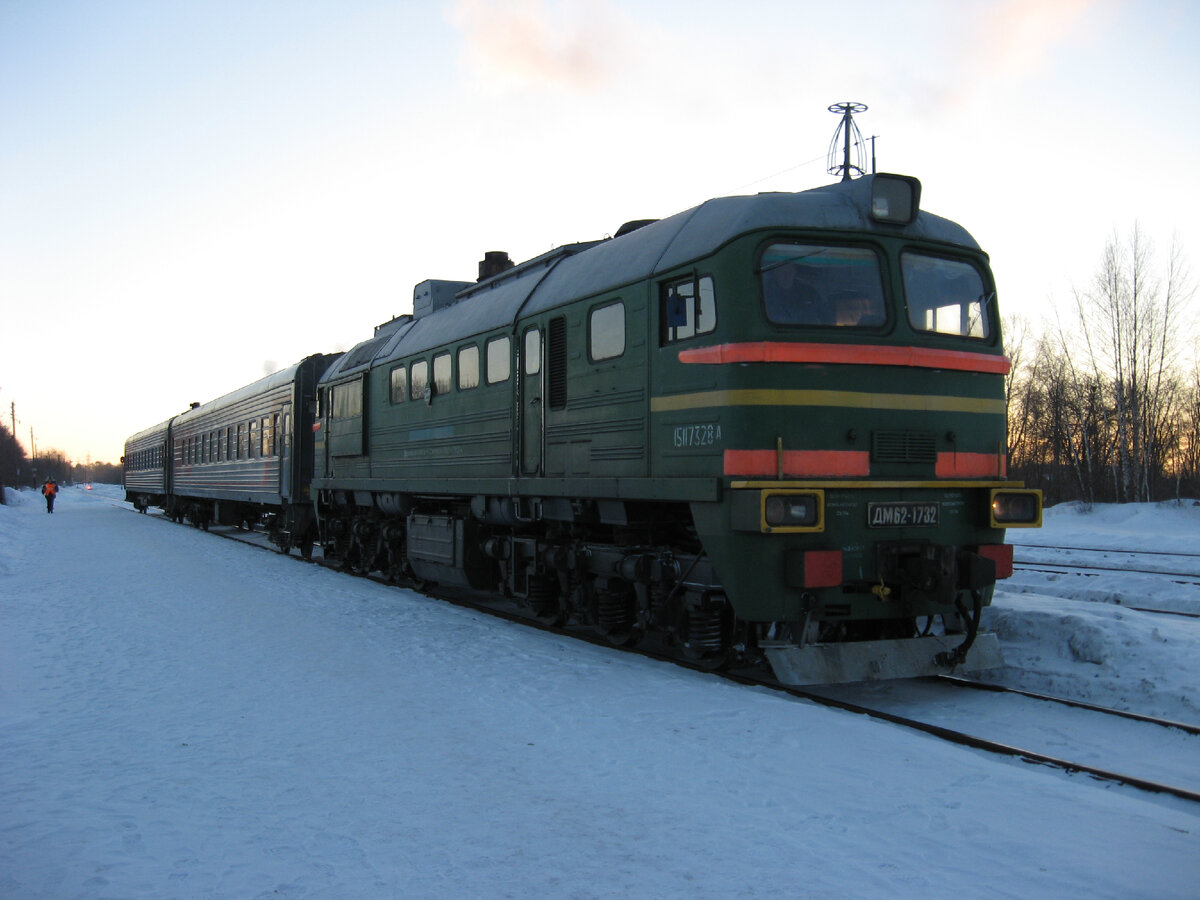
[[556, 354], [903, 446]]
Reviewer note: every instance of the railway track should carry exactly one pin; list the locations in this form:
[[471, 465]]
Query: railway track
[[865, 699], [1182, 565], [1109, 550], [1146, 752], [1177, 568]]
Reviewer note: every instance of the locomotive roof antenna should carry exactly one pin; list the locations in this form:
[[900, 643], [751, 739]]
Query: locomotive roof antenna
[[850, 137]]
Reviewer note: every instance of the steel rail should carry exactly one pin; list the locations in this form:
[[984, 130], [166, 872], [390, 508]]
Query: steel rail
[[1066, 701]]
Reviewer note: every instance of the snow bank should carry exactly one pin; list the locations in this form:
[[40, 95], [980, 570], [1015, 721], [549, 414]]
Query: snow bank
[[182, 716]]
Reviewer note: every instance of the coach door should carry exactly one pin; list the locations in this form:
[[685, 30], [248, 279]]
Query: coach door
[[283, 445], [532, 412]]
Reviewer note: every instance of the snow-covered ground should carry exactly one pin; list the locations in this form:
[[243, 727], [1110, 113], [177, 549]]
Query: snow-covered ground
[[182, 716]]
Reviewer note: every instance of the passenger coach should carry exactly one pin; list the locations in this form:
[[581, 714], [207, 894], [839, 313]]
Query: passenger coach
[[237, 459]]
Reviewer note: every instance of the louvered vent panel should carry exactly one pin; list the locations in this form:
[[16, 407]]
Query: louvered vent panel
[[904, 446], [556, 352]]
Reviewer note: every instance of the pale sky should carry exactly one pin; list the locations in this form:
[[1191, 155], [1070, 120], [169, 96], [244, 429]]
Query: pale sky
[[193, 194]]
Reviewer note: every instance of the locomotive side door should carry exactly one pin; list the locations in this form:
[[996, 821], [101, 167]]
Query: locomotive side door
[[532, 411]]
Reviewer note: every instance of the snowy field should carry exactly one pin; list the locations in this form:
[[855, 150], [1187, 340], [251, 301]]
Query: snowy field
[[184, 716]]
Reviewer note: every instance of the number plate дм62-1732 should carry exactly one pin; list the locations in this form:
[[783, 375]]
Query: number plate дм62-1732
[[899, 515]]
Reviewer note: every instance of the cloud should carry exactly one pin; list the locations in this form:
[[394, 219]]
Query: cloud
[[514, 44], [991, 55], [1018, 37]]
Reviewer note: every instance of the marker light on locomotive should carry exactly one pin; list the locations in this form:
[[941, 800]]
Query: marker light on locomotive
[[895, 199], [777, 511], [1016, 509], [793, 511]]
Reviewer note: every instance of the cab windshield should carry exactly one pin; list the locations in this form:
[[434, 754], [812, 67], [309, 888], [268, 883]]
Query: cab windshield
[[945, 296], [812, 284]]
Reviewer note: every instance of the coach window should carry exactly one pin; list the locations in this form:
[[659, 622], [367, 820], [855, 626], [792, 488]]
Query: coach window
[[399, 384], [810, 284], [468, 367], [499, 360], [254, 449], [688, 308], [945, 296], [239, 450], [268, 437], [419, 378], [606, 331]]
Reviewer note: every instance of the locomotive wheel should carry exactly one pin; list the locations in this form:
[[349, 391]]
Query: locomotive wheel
[[545, 599], [554, 615], [710, 660], [624, 637]]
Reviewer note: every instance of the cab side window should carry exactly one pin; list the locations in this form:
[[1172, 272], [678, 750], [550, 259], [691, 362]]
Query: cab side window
[[688, 307]]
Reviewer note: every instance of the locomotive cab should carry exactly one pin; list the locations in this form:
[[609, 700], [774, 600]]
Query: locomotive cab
[[861, 413]]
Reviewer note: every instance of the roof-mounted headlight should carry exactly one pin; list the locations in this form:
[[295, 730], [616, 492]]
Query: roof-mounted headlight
[[895, 199]]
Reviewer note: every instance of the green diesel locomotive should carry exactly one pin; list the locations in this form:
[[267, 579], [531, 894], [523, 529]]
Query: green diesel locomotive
[[769, 428]]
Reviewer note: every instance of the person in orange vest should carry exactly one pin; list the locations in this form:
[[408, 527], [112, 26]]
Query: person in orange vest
[[50, 491]]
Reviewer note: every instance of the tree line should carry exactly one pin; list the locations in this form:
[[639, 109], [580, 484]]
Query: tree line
[[1104, 403], [18, 470]]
